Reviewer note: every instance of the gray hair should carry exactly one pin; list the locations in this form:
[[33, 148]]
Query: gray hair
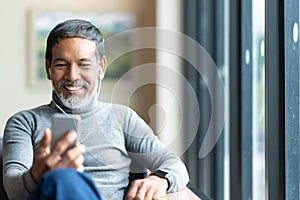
[[75, 28]]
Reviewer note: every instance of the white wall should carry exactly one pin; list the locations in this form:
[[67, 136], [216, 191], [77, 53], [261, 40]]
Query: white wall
[[14, 93], [170, 98], [14, 49]]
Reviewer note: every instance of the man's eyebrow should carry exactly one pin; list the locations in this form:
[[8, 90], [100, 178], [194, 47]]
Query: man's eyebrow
[[64, 60], [85, 60], [58, 59]]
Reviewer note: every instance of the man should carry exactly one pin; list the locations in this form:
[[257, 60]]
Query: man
[[113, 140]]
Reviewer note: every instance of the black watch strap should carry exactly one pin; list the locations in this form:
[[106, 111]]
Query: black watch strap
[[160, 173]]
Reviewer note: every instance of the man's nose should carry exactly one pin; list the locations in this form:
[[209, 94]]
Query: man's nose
[[73, 73]]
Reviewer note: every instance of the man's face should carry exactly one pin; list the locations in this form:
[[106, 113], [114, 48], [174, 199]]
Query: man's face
[[75, 71]]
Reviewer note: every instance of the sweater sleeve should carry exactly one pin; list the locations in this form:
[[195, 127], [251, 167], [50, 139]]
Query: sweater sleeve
[[17, 158], [148, 152]]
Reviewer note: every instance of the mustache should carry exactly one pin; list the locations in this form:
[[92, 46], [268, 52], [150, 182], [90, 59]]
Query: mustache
[[76, 83]]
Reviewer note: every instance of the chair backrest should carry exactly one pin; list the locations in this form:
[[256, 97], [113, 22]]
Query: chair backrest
[[2, 191]]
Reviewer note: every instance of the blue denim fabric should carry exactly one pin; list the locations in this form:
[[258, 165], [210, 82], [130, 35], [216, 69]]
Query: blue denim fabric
[[65, 184]]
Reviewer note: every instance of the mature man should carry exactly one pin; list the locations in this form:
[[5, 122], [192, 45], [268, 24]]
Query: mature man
[[113, 140]]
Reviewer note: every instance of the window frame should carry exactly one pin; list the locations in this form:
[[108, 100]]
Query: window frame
[[207, 29], [291, 77], [246, 98], [275, 100]]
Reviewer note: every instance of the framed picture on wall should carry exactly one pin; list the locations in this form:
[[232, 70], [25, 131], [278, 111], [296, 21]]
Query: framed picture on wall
[[41, 22]]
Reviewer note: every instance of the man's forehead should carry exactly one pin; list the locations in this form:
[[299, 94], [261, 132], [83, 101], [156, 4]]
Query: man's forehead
[[76, 47], [73, 41]]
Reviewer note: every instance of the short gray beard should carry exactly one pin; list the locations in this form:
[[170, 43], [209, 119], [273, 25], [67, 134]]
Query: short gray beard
[[73, 102]]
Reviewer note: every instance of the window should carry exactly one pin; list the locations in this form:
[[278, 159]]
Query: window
[[255, 45]]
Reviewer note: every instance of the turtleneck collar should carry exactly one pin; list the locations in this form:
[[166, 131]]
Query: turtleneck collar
[[57, 103]]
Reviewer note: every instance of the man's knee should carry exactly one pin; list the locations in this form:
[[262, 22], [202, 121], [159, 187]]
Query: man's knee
[[66, 184]]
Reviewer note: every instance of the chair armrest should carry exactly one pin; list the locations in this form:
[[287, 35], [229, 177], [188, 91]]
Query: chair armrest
[[189, 192], [185, 193]]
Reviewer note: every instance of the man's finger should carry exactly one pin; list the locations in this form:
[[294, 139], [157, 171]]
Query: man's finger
[[132, 190], [73, 157], [46, 139], [62, 144], [43, 147]]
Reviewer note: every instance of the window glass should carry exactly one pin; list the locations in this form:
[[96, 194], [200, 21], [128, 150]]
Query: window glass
[[258, 164]]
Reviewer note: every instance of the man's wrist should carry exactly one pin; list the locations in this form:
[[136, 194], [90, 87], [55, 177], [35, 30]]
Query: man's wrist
[[161, 174]]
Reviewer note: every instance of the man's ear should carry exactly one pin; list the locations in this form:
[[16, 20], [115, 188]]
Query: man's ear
[[48, 69], [102, 68]]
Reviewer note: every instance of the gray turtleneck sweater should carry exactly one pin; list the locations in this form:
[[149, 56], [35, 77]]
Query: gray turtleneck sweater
[[117, 142]]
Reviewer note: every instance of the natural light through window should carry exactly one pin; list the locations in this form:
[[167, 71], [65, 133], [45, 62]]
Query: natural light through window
[[258, 18]]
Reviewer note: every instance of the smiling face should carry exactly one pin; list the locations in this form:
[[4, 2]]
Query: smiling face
[[75, 71]]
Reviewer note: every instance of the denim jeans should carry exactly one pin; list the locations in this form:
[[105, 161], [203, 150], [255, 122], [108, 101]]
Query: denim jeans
[[65, 184]]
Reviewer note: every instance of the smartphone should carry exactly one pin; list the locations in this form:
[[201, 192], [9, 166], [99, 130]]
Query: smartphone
[[61, 124]]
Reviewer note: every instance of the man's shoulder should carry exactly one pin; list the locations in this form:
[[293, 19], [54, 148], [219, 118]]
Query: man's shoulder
[[27, 117], [25, 113]]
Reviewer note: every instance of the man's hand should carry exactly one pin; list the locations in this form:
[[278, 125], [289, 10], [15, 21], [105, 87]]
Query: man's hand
[[149, 188], [59, 157]]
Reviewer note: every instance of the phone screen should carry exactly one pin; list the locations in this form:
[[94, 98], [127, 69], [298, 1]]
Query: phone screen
[[61, 124]]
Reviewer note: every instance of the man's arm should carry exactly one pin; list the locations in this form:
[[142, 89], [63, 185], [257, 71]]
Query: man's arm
[[145, 149], [20, 174], [17, 157]]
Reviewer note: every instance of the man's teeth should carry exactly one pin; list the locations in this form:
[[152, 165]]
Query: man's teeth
[[73, 88]]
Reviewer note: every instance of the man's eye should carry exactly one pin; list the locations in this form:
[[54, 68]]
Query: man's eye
[[84, 64], [60, 65]]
